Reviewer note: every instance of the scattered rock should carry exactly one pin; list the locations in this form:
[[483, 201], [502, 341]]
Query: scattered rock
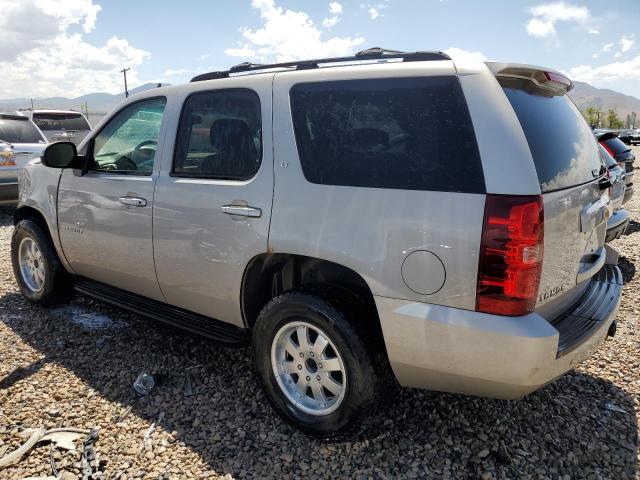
[[56, 369]]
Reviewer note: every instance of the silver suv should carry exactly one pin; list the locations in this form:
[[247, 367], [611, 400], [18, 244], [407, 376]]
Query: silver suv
[[360, 221]]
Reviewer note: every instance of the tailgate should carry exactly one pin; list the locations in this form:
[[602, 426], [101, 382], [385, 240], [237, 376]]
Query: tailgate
[[569, 168]]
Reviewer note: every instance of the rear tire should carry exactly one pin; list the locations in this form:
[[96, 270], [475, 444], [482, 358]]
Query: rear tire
[[36, 266], [326, 400]]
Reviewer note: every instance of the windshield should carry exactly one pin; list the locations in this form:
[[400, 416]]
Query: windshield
[[564, 149], [60, 121], [19, 131]]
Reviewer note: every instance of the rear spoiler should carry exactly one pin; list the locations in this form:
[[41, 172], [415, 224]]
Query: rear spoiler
[[606, 136], [9, 116], [542, 77]]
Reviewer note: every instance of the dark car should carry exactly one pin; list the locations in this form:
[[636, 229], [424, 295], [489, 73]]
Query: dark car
[[623, 155], [630, 136], [618, 216]]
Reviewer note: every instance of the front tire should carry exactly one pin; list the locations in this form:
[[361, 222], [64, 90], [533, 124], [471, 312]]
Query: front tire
[[36, 266], [315, 370]]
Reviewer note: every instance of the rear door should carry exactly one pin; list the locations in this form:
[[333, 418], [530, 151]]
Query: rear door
[[213, 197], [569, 168]]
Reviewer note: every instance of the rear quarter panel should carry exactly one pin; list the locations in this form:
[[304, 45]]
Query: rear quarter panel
[[371, 230]]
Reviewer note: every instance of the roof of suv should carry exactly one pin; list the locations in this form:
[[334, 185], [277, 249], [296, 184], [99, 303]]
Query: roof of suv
[[372, 54]]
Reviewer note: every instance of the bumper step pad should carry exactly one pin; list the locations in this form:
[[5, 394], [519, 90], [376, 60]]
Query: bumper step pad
[[595, 306]]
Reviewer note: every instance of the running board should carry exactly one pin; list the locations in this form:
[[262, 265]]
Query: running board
[[221, 333]]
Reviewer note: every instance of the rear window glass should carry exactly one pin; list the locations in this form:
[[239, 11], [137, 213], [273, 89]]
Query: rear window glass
[[564, 149], [401, 133], [19, 131], [616, 145], [60, 121]]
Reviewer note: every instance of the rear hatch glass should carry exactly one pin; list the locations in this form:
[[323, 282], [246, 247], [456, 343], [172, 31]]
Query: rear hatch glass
[[60, 121], [19, 131], [567, 159], [616, 145], [564, 149]]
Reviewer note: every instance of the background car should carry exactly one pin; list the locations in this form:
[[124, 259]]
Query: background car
[[618, 216], [623, 155], [20, 142], [61, 125]]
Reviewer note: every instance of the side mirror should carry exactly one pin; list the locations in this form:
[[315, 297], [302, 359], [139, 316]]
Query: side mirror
[[60, 155]]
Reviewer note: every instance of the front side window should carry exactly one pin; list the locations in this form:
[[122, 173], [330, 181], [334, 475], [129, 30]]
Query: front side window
[[128, 143], [400, 133], [219, 136]]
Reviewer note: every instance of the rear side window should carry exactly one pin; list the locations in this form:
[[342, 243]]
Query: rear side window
[[60, 121], [564, 149], [219, 135], [401, 133], [19, 131], [616, 145]]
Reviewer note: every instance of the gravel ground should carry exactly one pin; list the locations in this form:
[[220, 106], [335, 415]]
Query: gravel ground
[[74, 366]]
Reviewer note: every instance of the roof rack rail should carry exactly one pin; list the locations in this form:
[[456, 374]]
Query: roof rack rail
[[375, 53]]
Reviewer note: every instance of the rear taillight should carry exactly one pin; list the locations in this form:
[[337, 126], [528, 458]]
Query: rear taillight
[[510, 254], [608, 149]]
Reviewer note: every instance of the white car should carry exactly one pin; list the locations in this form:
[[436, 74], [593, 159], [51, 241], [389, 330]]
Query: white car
[[62, 125], [20, 142]]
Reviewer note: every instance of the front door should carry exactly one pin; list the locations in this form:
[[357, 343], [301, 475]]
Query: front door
[[105, 215], [213, 199]]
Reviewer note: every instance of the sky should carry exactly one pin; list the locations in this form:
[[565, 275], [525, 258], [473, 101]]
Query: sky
[[74, 47]]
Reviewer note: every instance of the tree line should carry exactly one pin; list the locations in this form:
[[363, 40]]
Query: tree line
[[597, 118]]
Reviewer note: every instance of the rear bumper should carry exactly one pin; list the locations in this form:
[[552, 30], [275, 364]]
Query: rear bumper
[[8, 193], [453, 350]]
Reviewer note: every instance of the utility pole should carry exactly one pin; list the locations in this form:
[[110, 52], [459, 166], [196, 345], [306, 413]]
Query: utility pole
[[124, 73], [633, 122]]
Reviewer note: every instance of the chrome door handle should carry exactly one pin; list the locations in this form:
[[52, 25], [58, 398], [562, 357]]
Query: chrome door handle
[[133, 201], [241, 211]]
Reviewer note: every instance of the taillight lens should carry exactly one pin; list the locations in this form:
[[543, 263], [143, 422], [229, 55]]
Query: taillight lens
[[608, 149], [510, 254]]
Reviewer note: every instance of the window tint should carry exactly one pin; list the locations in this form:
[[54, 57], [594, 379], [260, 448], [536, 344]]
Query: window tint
[[128, 142], [19, 131], [404, 133], [564, 149], [617, 146], [219, 135], [60, 121]]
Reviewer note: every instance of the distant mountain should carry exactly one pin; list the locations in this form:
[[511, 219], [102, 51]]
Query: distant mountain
[[585, 95], [96, 102]]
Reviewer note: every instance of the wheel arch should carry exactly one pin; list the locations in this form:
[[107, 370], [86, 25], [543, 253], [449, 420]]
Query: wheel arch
[[24, 212], [270, 274]]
